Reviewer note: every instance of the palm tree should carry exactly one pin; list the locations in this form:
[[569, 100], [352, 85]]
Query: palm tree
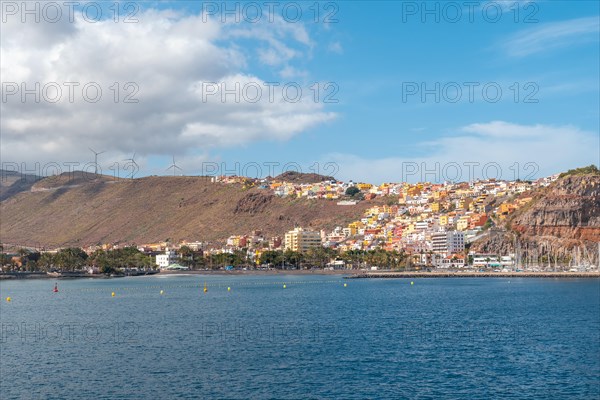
[[46, 261]]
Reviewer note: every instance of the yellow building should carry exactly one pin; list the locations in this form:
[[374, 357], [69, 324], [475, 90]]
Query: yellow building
[[463, 223], [301, 240], [354, 227], [443, 220]]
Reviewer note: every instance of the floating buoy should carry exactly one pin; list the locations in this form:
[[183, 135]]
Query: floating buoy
[[345, 284], [113, 294], [228, 289], [412, 283], [284, 286], [8, 299], [205, 288], [162, 292], [55, 288]]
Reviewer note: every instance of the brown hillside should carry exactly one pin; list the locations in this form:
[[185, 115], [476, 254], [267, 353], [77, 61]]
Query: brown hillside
[[12, 183], [84, 212]]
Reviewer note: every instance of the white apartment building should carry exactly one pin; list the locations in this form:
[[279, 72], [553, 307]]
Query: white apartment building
[[164, 260], [301, 240], [448, 242]]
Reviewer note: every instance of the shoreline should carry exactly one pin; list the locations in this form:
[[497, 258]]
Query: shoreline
[[347, 274], [263, 272], [361, 274], [461, 274]]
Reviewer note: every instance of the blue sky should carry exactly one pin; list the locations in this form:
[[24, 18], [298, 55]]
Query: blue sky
[[376, 53]]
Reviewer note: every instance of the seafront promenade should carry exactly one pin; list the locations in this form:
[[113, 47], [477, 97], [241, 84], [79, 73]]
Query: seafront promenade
[[469, 274]]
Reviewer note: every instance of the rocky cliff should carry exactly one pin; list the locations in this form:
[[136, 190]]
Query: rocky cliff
[[560, 217], [567, 209]]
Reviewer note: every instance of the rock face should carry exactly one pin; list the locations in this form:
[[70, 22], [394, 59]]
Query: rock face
[[496, 242], [253, 203], [567, 209], [564, 215]]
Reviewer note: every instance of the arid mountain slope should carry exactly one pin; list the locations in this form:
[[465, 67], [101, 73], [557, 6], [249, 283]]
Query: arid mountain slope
[[73, 210], [13, 183]]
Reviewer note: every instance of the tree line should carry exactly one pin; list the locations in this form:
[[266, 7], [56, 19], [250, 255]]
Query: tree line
[[115, 261], [75, 259], [318, 257]]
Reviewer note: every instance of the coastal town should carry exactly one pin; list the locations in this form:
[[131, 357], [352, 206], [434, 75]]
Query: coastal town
[[411, 226], [299, 199]]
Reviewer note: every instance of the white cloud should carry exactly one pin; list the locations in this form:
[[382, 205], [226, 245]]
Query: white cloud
[[501, 129], [539, 150], [553, 35], [282, 42], [289, 72], [335, 47], [167, 56]]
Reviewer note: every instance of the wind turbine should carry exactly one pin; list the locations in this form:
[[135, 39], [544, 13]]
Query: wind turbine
[[132, 162], [174, 166], [96, 154]]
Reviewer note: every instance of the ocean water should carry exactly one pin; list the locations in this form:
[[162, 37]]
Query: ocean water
[[435, 339]]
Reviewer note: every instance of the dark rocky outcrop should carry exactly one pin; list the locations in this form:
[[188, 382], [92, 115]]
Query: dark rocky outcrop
[[561, 216]]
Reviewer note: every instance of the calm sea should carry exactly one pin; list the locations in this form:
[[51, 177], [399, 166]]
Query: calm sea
[[435, 339]]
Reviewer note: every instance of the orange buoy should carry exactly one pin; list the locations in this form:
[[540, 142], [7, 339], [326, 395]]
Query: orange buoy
[[55, 288]]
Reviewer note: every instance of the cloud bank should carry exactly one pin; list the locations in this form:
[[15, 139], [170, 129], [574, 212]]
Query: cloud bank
[[153, 78]]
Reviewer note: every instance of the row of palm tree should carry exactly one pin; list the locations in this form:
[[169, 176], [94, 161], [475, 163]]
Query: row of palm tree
[[317, 257], [75, 259]]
